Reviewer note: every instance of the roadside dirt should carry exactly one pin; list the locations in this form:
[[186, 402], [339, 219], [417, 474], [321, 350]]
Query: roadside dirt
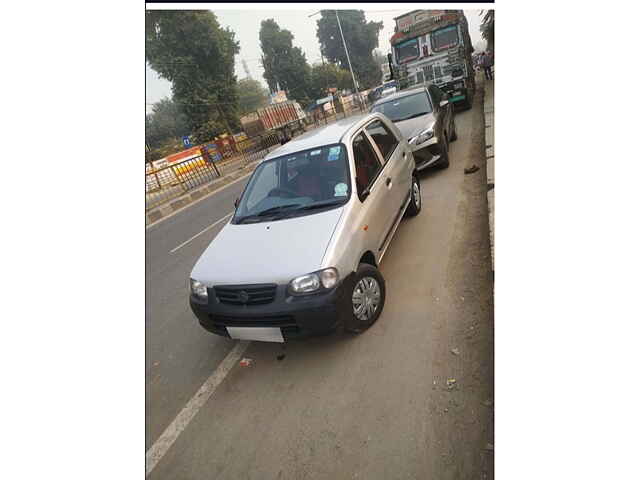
[[461, 410]]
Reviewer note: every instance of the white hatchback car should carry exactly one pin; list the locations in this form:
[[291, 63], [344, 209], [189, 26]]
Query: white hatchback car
[[300, 255]]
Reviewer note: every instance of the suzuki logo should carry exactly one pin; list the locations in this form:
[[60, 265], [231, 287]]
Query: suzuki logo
[[243, 296]]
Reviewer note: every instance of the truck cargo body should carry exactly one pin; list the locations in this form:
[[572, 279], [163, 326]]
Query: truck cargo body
[[279, 116]]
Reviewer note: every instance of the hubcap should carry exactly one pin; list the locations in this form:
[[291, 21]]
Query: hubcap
[[366, 298], [416, 194]]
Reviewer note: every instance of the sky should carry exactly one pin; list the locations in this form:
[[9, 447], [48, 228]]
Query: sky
[[246, 25]]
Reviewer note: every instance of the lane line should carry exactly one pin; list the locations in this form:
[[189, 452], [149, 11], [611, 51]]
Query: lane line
[[164, 442], [198, 234]]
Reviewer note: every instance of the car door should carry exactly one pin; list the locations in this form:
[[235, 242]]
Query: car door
[[371, 189], [396, 177]]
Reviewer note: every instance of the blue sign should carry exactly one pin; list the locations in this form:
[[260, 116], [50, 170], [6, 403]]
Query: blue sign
[[186, 141]]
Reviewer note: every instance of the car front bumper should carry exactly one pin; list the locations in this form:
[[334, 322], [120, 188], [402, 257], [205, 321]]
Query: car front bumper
[[427, 154], [296, 316]]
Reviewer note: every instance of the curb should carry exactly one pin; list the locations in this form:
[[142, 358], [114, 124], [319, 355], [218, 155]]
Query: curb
[[489, 139], [179, 203]]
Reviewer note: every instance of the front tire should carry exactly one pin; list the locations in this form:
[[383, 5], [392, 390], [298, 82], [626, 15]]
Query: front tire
[[415, 203], [454, 135], [367, 299]]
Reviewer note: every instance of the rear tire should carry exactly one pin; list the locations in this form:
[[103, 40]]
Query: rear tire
[[368, 290], [415, 203]]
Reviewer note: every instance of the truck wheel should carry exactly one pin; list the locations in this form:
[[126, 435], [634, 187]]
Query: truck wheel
[[415, 203], [367, 299]]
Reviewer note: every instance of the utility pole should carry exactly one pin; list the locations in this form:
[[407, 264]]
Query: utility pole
[[353, 77]]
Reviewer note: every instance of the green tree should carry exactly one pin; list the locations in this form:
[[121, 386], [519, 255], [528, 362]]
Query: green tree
[[167, 121], [285, 66], [328, 76], [252, 95], [486, 27], [193, 52], [361, 38]]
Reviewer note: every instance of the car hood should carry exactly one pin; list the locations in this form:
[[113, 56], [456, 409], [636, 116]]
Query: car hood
[[267, 252], [413, 126]]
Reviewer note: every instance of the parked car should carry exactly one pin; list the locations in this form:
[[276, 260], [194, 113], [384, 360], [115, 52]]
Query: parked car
[[300, 255], [426, 118]]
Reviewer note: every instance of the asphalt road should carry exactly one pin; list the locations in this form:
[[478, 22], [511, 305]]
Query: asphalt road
[[371, 406]]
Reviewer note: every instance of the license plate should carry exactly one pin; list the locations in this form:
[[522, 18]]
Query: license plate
[[261, 334]]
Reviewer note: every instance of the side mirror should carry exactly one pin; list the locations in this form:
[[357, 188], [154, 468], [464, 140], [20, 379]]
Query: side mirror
[[236, 202], [444, 103]]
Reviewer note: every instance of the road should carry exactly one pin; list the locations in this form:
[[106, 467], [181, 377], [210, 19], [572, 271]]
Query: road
[[373, 406]]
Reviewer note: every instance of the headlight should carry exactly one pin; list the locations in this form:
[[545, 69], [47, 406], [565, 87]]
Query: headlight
[[313, 282], [199, 290], [422, 137]]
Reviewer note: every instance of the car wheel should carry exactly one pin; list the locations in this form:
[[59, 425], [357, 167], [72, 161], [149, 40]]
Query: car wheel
[[367, 299], [454, 135], [415, 204], [444, 156]]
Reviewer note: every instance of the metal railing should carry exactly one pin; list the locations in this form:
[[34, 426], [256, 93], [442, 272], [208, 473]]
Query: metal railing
[[169, 182]]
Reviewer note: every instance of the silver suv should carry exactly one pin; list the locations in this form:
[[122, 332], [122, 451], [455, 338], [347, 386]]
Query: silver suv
[[300, 255]]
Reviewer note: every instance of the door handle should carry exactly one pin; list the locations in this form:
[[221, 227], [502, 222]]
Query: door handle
[[388, 181]]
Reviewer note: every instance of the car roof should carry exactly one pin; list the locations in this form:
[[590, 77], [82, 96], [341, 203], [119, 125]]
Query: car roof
[[401, 93], [326, 135]]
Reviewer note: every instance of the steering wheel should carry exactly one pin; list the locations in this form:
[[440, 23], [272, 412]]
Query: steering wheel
[[287, 193]]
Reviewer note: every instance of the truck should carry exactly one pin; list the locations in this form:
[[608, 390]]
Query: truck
[[284, 117], [434, 46]]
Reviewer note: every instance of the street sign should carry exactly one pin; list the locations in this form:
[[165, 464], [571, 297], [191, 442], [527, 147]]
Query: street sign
[[186, 141]]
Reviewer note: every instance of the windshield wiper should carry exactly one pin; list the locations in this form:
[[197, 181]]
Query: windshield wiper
[[411, 116], [326, 203], [268, 211]]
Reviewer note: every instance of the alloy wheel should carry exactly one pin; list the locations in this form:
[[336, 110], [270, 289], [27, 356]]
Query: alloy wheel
[[366, 298]]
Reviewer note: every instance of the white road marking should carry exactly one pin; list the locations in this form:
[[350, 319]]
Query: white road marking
[[198, 234], [162, 445]]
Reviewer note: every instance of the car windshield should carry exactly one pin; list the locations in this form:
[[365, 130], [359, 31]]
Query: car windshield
[[300, 183], [405, 108]]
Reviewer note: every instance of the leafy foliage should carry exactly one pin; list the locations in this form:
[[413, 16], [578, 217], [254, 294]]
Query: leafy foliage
[[252, 95], [193, 52], [361, 38], [167, 121], [285, 66], [328, 76]]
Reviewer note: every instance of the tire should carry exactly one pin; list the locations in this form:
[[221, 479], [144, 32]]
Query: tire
[[364, 288], [444, 159], [415, 204]]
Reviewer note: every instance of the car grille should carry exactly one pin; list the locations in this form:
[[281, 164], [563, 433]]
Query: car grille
[[246, 294]]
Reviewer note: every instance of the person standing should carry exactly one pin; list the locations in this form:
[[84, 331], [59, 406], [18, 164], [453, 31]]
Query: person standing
[[485, 61]]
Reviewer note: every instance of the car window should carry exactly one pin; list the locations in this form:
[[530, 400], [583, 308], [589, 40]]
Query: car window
[[366, 162], [292, 183], [383, 138], [404, 108]]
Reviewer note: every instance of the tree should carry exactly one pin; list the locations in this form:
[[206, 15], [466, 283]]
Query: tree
[[328, 76], [361, 38], [193, 52], [167, 121], [285, 66], [486, 27], [252, 95]]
